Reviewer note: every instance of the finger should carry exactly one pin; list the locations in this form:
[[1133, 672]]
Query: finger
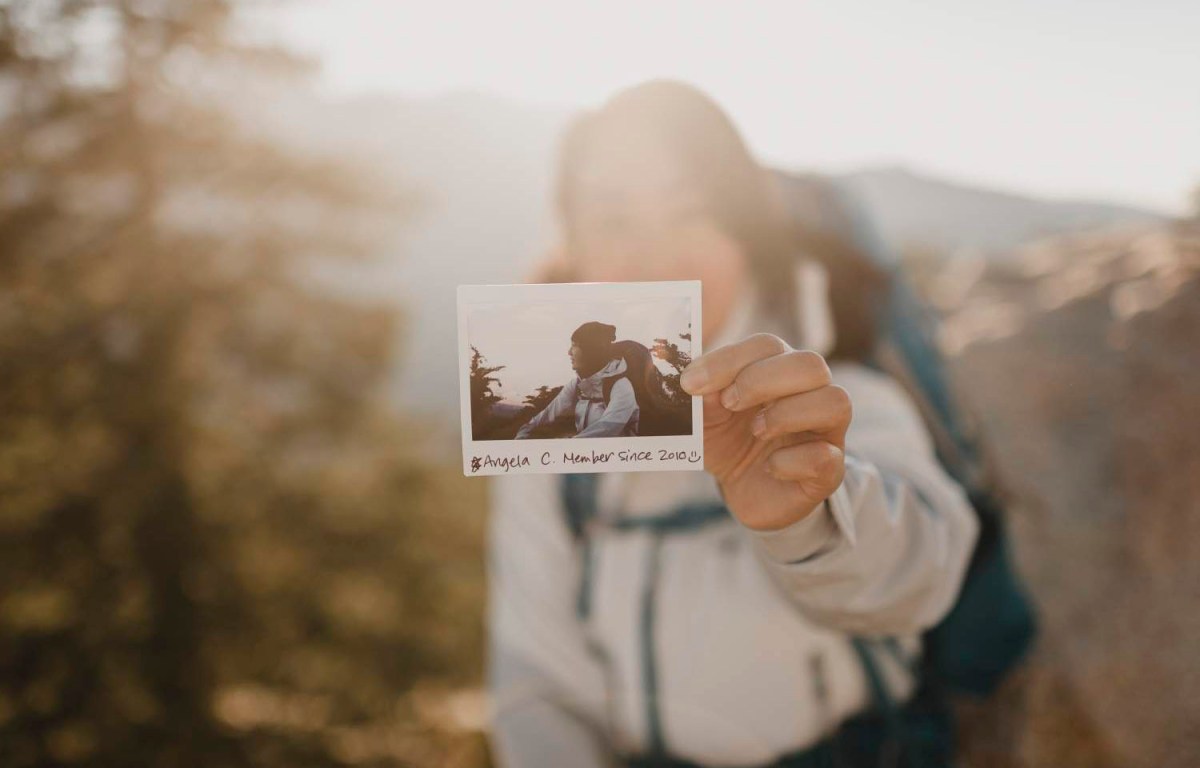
[[775, 377], [819, 465], [826, 411], [714, 412], [716, 370]]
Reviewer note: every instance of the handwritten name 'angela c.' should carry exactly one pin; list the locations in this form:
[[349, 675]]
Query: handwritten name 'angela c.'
[[593, 457]]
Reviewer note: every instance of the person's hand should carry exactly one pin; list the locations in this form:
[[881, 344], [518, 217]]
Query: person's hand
[[774, 428]]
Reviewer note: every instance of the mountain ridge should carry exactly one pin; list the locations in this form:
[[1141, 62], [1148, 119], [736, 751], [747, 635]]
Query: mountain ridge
[[483, 165]]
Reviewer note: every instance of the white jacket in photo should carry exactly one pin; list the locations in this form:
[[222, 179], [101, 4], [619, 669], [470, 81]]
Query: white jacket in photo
[[618, 417], [721, 645]]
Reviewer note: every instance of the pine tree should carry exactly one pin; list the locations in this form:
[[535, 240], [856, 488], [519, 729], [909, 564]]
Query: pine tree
[[483, 394], [541, 397]]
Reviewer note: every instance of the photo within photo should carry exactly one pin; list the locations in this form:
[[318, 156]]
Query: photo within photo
[[598, 370], [579, 377]]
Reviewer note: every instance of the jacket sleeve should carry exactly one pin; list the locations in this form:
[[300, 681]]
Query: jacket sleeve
[[562, 402], [547, 691], [621, 405], [887, 552]]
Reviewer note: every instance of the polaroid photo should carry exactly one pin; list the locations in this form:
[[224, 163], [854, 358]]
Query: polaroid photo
[[578, 377]]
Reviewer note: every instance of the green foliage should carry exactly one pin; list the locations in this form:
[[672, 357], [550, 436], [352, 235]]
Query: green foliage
[[217, 546]]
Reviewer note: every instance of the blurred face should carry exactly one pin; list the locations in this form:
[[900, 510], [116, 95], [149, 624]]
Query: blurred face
[[577, 357], [638, 217]]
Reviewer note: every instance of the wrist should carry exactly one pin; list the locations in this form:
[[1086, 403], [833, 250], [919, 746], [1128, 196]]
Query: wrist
[[759, 523], [781, 520], [801, 540]]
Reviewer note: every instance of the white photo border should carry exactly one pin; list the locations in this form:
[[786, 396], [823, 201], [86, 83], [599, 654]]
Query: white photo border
[[566, 455]]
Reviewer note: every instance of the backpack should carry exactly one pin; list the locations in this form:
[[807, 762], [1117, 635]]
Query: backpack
[[992, 624], [658, 413]]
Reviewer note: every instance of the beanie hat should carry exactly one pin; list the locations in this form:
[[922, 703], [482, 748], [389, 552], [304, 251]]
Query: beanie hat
[[594, 335]]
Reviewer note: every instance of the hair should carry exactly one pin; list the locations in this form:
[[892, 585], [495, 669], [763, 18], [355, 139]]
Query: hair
[[743, 198], [596, 340]]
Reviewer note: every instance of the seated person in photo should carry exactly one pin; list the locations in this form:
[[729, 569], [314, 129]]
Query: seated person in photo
[[598, 413]]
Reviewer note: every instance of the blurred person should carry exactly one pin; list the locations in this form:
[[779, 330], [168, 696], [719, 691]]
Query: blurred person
[[710, 618], [601, 394]]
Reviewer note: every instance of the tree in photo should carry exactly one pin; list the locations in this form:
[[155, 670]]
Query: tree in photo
[[542, 397], [534, 403], [678, 360], [483, 395]]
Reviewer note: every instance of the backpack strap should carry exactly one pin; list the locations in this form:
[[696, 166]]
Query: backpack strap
[[688, 517], [578, 493], [992, 623], [884, 704], [606, 386], [579, 506], [907, 350], [908, 354]]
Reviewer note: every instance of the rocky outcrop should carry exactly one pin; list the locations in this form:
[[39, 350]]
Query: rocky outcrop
[[1081, 358]]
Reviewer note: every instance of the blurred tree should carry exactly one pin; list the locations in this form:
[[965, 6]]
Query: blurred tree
[[215, 543]]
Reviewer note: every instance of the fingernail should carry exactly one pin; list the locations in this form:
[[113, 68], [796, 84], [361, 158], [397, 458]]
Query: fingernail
[[729, 397], [759, 424], [694, 378]]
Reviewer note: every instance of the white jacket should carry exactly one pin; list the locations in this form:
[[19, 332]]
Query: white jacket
[[585, 396], [741, 634]]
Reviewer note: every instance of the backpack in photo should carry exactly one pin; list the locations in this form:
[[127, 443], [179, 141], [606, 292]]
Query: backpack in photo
[[658, 412]]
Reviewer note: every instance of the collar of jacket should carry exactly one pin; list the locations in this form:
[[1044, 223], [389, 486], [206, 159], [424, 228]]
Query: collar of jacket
[[592, 387]]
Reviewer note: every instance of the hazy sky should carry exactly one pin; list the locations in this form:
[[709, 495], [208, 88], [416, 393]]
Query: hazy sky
[[1082, 98], [532, 339]]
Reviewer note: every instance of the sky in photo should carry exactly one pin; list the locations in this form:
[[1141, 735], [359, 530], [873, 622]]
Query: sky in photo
[[532, 339], [1094, 99]]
